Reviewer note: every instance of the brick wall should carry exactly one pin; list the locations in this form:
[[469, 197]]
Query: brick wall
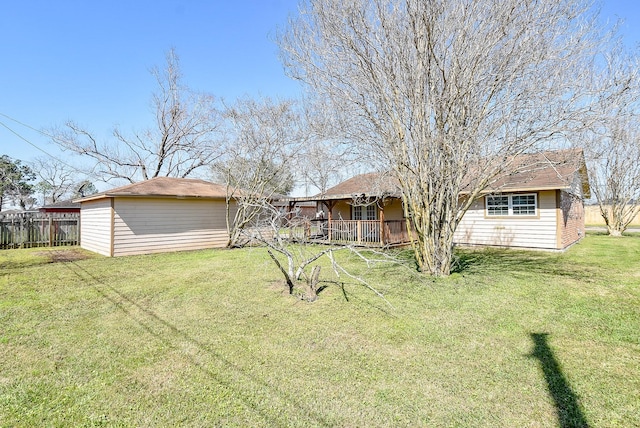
[[572, 220]]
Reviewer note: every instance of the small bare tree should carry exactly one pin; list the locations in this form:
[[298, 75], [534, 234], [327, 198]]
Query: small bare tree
[[615, 178], [182, 140], [613, 145], [445, 94], [283, 238]]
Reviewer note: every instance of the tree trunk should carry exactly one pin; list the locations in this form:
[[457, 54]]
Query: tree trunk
[[434, 253], [614, 231], [312, 284], [287, 277]]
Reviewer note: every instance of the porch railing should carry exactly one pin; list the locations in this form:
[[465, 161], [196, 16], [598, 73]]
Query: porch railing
[[366, 232]]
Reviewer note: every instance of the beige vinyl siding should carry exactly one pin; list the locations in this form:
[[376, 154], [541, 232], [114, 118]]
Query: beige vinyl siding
[[477, 229], [393, 211], [95, 226], [147, 225], [342, 211]]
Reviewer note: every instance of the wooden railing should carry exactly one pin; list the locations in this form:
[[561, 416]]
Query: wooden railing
[[355, 231], [396, 232], [35, 229], [365, 232]]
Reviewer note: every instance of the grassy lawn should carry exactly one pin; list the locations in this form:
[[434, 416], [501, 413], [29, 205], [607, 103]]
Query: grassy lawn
[[210, 338]]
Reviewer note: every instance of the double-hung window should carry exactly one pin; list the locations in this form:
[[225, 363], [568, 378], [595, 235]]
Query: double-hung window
[[511, 205]]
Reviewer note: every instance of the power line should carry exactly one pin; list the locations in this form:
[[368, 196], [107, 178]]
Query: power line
[[34, 145], [26, 126]]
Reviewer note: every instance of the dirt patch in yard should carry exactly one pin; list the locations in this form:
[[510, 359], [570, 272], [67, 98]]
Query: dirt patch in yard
[[57, 256]]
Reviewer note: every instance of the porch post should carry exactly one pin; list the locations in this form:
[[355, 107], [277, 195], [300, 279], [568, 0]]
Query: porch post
[[329, 205], [290, 209], [381, 226]]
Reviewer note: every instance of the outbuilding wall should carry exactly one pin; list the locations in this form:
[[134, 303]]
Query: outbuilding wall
[[341, 211], [392, 210], [154, 225], [96, 226]]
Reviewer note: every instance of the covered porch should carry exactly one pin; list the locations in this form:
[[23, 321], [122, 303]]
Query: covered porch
[[370, 222]]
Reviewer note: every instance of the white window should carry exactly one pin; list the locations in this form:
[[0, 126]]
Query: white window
[[512, 205], [364, 213], [497, 205]]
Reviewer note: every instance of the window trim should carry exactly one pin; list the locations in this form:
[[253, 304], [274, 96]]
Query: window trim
[[510, 213]]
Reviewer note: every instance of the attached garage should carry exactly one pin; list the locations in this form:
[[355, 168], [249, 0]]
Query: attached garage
[[159, 215]]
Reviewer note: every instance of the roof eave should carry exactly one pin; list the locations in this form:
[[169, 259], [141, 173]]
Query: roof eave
[[338, 197], [519, 189], [130, 195]]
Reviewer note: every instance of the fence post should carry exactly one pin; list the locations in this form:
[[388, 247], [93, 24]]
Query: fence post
[[51, 231], [22, 232]]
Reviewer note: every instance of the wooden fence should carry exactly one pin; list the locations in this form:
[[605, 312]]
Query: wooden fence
[[35, 229], [592, 217]]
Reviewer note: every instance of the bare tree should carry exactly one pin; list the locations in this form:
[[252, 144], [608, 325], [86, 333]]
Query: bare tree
[[613, 144], [182, 140], [84, 188], [328, 157], [615, 178], [56, 179], [446, 93], [263, 140]]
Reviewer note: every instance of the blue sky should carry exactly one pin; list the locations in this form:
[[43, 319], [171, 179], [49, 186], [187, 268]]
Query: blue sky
[[89, 61]]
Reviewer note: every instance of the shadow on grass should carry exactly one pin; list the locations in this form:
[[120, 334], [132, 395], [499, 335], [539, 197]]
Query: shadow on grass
[[492, 260], [566, 401], [10, 262], [45, 256], [488, 260], [171, 337]]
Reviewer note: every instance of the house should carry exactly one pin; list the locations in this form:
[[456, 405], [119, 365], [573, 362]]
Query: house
[[159, 215], [540, 205], [301, 209], [64, 207]]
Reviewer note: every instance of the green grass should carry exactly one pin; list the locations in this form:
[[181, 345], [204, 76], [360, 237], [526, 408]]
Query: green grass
[[210, 338]]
